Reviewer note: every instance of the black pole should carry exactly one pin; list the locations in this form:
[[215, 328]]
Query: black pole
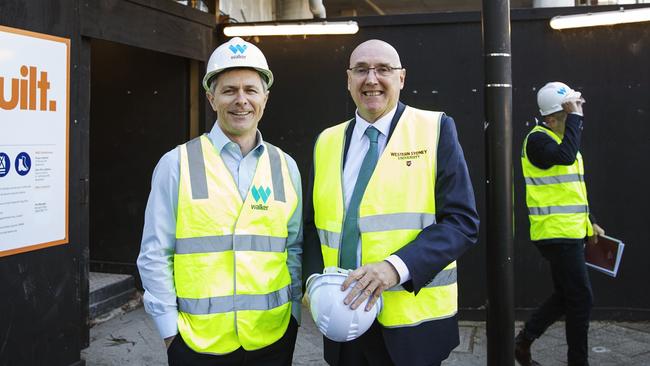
[[499, 218]]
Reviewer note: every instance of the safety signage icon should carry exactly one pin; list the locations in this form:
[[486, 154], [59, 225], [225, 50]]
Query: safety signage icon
[[5, 164], [23, 163]]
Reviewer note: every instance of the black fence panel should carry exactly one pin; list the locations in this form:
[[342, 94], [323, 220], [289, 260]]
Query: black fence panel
[[139, 110]]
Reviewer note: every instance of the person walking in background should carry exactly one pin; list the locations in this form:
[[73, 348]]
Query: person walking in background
[[558, 210]]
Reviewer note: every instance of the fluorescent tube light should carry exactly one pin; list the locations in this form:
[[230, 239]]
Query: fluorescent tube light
[[295, 29], [602, 18]]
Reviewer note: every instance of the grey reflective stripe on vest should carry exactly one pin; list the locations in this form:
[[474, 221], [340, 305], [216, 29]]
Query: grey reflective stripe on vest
[[443, 278], [550, 210], [385, 222], [239, 302], [399, 221], [260, 243], [557, 179], [276, 173], [329, 238], [204, 244], [222, 243], [197, 169]]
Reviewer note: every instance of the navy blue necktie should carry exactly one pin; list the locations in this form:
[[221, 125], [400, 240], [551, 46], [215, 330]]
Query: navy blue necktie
[[350, 239]]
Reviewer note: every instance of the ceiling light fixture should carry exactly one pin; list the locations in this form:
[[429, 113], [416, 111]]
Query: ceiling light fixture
[[601, 18], [295, 29]]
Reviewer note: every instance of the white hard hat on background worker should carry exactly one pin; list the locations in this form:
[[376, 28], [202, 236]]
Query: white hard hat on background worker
[[551, 96], [333, 318], [237, 53]]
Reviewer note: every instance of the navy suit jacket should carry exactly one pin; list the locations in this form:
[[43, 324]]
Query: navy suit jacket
[[455, 230]]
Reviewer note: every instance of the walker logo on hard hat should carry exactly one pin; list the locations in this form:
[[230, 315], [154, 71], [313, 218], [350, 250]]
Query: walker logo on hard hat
[[260, 193], [241, 48], [237, 53], [551, 96]]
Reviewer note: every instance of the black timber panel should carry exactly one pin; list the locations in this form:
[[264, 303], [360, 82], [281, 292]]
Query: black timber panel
[[443, 57], [158, 25], [139, 110], [43, 294]]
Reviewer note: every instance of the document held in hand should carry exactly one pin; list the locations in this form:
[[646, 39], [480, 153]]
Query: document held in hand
[[605, 256]]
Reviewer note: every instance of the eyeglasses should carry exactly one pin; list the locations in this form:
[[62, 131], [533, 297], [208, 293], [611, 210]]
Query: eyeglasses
[[382, 70]]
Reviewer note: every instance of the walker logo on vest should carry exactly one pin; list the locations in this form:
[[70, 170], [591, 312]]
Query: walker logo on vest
[[241, 48], [260, 193]]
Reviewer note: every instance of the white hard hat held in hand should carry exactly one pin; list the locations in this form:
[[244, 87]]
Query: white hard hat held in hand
[[237, 53], [552, 95], [332, 317]]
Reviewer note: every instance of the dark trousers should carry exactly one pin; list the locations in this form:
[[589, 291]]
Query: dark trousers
[[279, 353], [572, 297], [367, 350]]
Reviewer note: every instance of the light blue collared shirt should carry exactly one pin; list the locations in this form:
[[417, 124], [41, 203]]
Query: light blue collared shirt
[[155, 261], [359, 145]]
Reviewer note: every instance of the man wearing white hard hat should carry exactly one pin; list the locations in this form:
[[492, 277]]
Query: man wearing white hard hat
[[560, 221], [220, 259], [393, 203]]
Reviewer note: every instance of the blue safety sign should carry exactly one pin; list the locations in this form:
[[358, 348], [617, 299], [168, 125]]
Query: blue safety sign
[[5, 164], [23, 163]]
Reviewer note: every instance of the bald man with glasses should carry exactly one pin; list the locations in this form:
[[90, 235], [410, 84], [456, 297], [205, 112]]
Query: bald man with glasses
[[392, 202]]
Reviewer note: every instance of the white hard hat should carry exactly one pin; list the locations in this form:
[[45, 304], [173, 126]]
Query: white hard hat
[[551, 96], [332, 317], [237, 53]]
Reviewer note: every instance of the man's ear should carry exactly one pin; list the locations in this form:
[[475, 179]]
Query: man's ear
[[550, 121], [210, 99]]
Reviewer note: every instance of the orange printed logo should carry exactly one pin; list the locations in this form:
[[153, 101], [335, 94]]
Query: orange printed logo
[[25, 92]]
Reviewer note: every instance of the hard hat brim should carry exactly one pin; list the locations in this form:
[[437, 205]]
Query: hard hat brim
[[266, 74]]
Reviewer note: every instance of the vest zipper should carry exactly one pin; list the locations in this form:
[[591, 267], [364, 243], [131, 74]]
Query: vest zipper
[[340, 243], [234, 279]]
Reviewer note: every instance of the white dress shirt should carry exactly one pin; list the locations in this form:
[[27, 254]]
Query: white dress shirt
[[359, 145]]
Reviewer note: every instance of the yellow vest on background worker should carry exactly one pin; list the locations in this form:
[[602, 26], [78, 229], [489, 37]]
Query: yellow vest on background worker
[[556, 197], [230, 265], [399, 201]]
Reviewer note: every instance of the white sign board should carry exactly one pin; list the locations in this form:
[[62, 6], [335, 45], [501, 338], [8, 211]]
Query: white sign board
[[34, 112]]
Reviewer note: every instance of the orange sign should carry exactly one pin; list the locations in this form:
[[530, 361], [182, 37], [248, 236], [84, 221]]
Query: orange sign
[[34, 140]]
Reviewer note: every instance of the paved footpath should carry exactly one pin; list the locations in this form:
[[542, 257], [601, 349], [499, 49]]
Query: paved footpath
[[131, 339]]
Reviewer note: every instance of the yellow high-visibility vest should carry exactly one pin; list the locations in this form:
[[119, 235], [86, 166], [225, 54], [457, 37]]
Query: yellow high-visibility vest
[[398, 203], [556, 197], [230, 265]]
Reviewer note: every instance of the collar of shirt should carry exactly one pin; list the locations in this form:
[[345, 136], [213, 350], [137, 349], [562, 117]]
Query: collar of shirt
[[382, 124], [221, 141]]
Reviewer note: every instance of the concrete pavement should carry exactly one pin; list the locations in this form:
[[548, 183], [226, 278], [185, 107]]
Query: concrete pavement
[[130, 338]]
